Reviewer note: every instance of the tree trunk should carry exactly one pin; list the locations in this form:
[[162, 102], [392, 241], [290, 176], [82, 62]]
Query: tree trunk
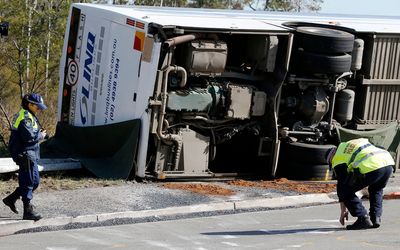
[[8, 121], [20, 69], [28, 48], [48, 49]]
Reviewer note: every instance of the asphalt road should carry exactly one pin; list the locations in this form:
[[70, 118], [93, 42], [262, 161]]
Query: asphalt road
[[314, 227]]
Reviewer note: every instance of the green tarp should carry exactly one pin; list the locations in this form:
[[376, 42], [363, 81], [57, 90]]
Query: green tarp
[[387, 136], [108, 151]]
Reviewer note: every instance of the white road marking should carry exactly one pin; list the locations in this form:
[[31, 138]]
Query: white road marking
[[230, 244], [321, 220], [229, 237], [61, 248], [295, 246]]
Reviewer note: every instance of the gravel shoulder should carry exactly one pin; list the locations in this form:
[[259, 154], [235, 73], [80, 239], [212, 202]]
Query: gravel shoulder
[[61, 195]]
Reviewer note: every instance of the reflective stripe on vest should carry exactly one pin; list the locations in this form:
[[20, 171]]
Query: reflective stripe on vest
[[373, 160], [21, 115], [346, 150], [353, 156], [362, 155], [365, 157]]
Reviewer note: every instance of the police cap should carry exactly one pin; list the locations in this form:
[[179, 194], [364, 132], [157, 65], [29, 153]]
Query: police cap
[[37, 99]]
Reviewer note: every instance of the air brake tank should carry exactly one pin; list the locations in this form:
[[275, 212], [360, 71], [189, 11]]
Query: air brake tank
[[357, 54], [344, 105]]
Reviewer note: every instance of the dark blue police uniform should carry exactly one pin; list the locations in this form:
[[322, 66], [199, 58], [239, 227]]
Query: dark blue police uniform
[[24, 148]]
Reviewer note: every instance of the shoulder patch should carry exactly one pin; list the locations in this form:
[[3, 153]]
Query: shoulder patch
[[15, 118], [28, 122]]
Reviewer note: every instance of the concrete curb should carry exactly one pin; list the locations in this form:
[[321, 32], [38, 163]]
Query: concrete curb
[[287, 201], [9, 227], [389, 190]]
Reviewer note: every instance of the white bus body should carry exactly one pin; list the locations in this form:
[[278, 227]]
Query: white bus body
[[217, 92]]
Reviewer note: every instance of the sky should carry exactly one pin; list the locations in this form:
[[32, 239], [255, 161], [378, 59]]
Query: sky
[[364, 7]]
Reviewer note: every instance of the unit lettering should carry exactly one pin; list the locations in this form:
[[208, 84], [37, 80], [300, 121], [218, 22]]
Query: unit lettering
[[87, 75]]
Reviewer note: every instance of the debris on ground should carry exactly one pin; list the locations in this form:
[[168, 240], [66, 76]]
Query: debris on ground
[[392, 196], [288, 185], [282, 184], [208, 189]]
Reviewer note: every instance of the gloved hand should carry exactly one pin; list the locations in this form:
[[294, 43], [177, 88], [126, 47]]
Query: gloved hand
[[344, 214], [43, 134]]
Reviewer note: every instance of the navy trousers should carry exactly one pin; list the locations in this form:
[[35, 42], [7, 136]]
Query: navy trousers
[[375, 181], [28, 179]]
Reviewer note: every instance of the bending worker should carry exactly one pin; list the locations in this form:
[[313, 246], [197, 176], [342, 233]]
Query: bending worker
[[24, 147], [359, 164]]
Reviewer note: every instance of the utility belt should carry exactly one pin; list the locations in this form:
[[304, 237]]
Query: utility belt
[[354, 178], [24, 161]]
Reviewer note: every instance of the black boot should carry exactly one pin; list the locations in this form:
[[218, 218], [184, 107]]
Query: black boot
[[363, 222], [376, 221], [29, 214], [11, 200]]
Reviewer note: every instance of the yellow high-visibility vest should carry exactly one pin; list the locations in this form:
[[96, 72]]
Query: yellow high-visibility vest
[[361, 154], [22, 114]]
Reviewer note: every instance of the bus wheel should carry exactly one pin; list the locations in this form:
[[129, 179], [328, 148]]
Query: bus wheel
[[304, 61], [302, 161], [324, 40], [308, 171]]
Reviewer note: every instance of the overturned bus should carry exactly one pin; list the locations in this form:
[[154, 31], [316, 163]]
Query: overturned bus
[[222, 93]]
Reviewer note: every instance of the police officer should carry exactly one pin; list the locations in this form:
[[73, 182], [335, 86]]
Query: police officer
[[26, 133], [359, 164]]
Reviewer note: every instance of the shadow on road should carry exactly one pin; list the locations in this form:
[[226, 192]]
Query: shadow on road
[[275, 232]]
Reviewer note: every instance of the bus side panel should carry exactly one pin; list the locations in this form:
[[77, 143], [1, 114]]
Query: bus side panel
[[119, 83], [101, 82]]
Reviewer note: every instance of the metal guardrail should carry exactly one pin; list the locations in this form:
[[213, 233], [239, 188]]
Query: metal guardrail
[[7, 165]]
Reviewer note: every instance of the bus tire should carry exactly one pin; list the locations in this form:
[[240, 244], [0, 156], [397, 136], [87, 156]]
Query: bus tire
[[306, 153], [307, 171], [320, 63], [324, 40]]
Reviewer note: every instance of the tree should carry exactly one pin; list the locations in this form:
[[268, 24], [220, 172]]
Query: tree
[[29, 56], [293, 5], [215, 4], [273, 5], [164, 3]]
